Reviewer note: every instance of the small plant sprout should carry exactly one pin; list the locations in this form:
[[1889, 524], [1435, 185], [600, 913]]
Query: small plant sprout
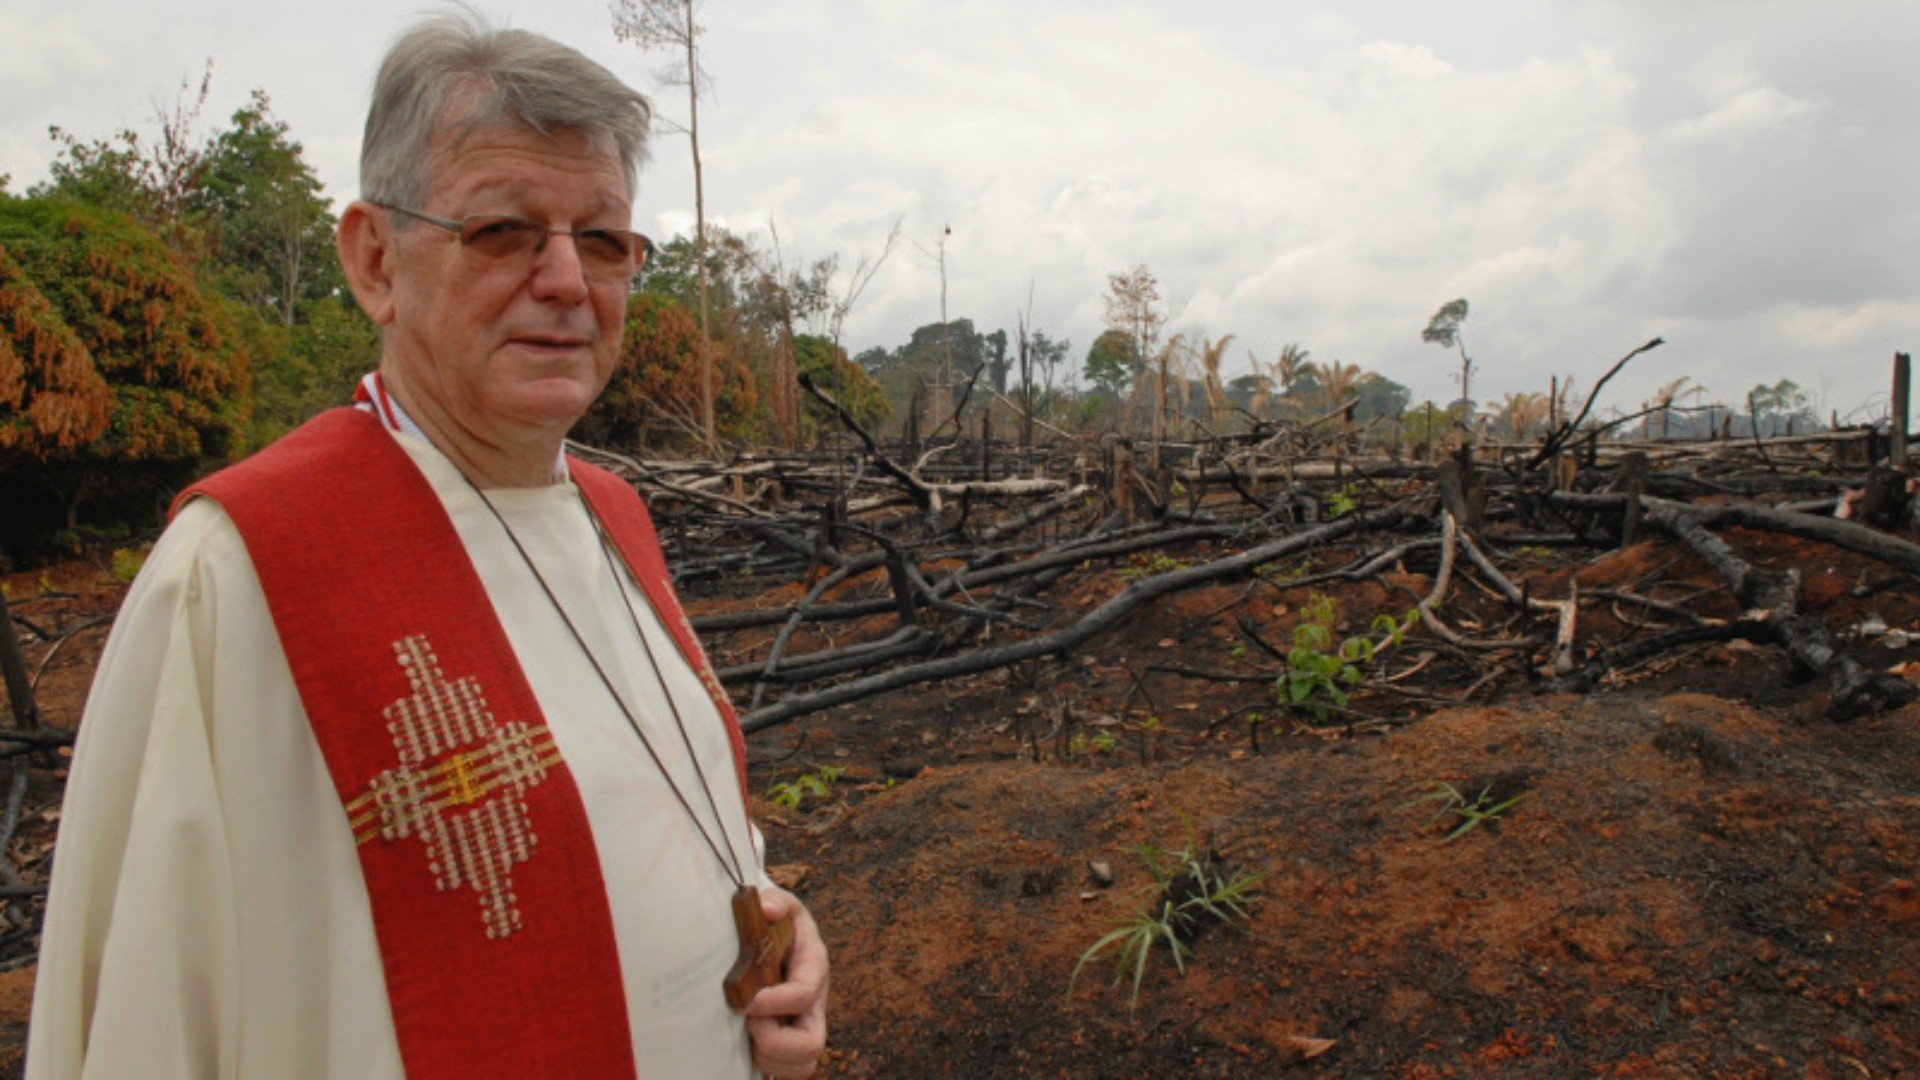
[[1100, 742], [127, 563], [1343, 502], [1190, 893], [793, 793], [1150, 564], [1470, 813], [1319, 674]]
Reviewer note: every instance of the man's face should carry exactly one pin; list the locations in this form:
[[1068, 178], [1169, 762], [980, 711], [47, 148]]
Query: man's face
[[505, 350]]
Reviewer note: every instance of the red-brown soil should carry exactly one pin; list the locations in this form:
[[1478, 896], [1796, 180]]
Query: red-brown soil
[[1704, 878]]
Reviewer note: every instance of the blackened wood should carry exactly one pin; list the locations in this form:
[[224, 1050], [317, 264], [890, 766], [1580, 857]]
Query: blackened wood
[[1902, 407], [13, 664]]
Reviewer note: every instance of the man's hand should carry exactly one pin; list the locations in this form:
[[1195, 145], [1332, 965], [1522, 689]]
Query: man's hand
[[788, 1022]]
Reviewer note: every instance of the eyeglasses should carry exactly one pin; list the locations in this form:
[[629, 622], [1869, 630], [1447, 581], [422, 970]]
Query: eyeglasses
[[502, 240]]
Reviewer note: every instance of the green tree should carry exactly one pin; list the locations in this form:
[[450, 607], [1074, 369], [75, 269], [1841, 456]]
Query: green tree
[[748, 307], [653, 396], [1111, 362], [996, 360], [149, 177], [1443, 329], [902, 371], [827, 364], [1380, 396], [263, 206], [670, 25], [1047, 355], [1133, 308], [53, 401], [1780, 409], [167, 348]]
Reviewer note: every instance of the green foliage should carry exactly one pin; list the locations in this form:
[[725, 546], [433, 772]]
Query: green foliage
[[52, 398], [1320, 675], [1343, 502], [792, 793], [1190, 892], [653, 397], [263, 207], [127, 563], [1429, 422], [1443, 329], [1471, 813], [313, 365], [112, 174], [170, 353], [847, 381], [1111, 362], [1100, 742], [1379, 396], [1150, 564], [1044, 357], [1780, 408], [932, 353]]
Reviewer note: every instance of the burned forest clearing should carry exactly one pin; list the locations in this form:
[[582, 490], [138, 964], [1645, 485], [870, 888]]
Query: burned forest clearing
[[1104, 759]]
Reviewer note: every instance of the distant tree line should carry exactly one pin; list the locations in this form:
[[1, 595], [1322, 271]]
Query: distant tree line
[[170, 302]]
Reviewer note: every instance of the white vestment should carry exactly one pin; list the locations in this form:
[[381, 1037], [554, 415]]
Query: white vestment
[[208, 917]]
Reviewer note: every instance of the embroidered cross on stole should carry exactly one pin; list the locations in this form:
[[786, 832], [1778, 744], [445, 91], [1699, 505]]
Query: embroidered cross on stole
[[486, 890]]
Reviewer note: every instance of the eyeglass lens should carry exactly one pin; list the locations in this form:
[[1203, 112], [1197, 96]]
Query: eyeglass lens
[[604, 253]]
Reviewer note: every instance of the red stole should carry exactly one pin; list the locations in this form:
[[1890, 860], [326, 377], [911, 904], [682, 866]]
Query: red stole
[[486, 891]]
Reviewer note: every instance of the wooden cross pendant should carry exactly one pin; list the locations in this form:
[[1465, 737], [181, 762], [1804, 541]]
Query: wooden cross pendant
[[763, 948]]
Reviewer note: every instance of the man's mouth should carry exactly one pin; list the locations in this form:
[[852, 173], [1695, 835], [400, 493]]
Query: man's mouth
[[550, 341]]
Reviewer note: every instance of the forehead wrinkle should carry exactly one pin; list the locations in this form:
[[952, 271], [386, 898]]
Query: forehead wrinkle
[[514, 184]]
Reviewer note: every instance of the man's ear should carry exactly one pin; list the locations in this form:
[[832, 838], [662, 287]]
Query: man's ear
[[366, 240]]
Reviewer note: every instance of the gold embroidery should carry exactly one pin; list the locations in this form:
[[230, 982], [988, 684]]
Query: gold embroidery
[[460, 785]]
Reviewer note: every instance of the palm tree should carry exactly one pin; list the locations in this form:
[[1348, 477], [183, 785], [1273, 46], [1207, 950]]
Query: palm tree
[[1163, 377], [1665, 396], [1262, 399], [1209, 354], [1338, 381], [1521, 414], [1289, 366]]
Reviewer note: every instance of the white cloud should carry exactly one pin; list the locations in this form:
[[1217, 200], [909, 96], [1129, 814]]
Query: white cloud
[[1587, 172]]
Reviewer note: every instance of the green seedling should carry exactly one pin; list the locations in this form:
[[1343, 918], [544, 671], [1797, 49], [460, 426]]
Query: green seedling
[[1343, 502], [1319, 674], [811, 785], [1100, 742], [127, 563], [1149, 564], [1190, 893], [1471, 813]]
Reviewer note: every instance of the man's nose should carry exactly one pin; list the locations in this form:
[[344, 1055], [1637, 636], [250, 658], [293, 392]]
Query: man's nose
[[557, 273]]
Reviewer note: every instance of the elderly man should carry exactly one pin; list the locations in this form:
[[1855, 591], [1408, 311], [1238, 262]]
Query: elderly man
[[402, 759]]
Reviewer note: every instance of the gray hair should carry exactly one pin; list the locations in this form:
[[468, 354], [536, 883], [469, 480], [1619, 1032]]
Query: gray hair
[[454, 74]]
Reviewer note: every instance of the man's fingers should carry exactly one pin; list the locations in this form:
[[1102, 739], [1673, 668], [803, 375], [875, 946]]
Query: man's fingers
[[788, 1022], [788, 1050]]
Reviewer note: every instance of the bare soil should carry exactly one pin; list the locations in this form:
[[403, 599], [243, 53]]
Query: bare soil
[[1702, 877]]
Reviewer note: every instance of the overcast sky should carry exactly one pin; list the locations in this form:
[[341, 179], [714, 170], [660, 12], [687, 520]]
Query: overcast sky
[[1741, 177]]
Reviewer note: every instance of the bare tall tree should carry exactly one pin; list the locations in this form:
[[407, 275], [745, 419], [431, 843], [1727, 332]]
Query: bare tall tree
[[670, 25], [1133, 308]]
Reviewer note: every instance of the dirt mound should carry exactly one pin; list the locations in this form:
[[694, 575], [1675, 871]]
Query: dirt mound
[[1685, 887]]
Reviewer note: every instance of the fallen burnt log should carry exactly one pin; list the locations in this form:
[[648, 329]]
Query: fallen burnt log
[[1102, 618], [939, 605], [1772, 597]]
